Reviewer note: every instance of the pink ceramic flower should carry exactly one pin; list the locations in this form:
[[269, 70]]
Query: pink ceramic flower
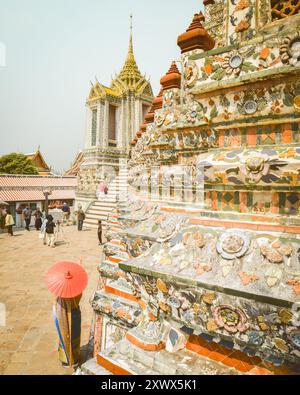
[[230, 318]]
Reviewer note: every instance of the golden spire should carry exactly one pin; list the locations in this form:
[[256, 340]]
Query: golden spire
[[130, 56], [130, 74]]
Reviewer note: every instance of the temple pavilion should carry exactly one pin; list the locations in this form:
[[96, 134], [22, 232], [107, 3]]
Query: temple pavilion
[[113, 114]]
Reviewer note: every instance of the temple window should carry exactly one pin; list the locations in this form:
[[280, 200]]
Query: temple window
[[112, 134], [94, 127], [283, 8]]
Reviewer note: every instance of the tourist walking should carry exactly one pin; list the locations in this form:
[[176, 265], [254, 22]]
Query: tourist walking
[[100, 190], [80, 218], [27, 217], [43, 234], [66, 213], [50, 237], [100, 232], [9, 222], [38, 219]]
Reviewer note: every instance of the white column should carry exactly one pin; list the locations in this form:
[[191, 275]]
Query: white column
[[105, 125], [88, 129], [118, 123], [127, 131], [138, 115], [98, 136], [123, 124]]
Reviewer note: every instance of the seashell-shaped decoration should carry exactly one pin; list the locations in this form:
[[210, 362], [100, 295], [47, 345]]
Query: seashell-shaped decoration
[[285, 316], [208, 297], [199, 239], [271, 254], [286, 250], [281, 345], [290, 50], [164, 307], [276, 251], [273, 276], [211, 325], [161, 285]]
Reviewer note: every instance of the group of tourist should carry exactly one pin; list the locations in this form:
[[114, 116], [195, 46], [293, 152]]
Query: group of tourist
[[44, 223]]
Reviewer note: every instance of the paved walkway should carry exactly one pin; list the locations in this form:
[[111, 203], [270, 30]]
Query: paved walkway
[[28, 342]]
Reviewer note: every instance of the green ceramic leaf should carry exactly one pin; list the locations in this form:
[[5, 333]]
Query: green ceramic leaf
[[214, 112], [219, 74], [247, 66], [241, 109], [208, 61], [261, 104]]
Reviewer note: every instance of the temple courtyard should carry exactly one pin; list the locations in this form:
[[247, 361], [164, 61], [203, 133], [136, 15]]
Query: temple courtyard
[[28, 342]]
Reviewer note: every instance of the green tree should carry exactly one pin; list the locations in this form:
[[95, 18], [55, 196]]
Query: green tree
[[16, 163]]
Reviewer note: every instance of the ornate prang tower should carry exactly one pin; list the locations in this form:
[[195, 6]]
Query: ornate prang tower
[[203, 274], [113, 114]]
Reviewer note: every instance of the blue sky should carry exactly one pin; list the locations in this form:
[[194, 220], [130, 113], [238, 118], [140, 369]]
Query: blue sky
[[54, 48]]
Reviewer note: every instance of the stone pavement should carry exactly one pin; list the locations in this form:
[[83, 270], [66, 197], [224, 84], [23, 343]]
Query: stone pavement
[[28, 342]]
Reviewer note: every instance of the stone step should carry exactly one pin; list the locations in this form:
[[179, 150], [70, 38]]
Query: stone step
[[99, 212], [96, 217], [116, 187], [116, 246], [92, 368], [105, 202], [94, 224], [101, 208], [128, 357], [119, 180], [115, 230], [88, 225]]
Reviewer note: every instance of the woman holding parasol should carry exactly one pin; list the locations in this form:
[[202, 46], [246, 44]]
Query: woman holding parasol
[[67, 280]]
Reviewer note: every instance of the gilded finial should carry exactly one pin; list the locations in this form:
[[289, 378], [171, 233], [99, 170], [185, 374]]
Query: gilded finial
[[130, 50], [129, 77]]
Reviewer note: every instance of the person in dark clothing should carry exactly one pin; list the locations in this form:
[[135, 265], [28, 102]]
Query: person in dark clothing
[[9, 222], [27, 217], [80, 218], [2, 218], [38, 219], [50, 231], [66, 213], [100, 232]]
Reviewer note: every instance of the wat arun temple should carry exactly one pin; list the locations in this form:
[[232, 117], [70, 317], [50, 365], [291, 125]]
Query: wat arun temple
[[200, 273]]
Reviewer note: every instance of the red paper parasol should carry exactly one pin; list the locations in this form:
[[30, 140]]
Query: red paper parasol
[[66, 279]]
